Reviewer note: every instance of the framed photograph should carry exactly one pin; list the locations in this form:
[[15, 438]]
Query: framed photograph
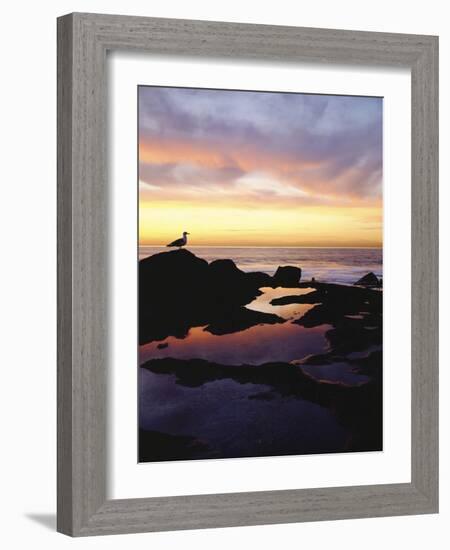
[[247, 274]]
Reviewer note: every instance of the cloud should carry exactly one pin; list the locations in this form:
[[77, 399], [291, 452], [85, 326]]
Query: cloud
[[260, 146]]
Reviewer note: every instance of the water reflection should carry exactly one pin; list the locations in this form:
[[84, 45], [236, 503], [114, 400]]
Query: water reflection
[[254, 346], [230, 418], [336, 372], [289, 311], [285, 342], [226, 415]]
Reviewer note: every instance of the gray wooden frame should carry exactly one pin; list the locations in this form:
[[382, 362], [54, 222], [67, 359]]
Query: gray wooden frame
[[83, 41]]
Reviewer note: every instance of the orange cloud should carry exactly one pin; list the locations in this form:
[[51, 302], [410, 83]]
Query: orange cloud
[[159, 151]]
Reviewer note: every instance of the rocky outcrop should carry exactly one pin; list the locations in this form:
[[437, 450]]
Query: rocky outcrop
[[227, 284], [241, 319], [287, 276], [178, 290], [369, 280], [171, 283], [156, 446], [353, 313]]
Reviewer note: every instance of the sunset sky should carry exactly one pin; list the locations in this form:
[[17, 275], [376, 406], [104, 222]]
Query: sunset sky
[[259, 169]]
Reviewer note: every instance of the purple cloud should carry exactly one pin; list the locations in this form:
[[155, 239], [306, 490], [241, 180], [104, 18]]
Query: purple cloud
[[319, 144]]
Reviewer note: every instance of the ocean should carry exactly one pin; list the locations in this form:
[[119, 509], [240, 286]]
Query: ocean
[[332, 265]]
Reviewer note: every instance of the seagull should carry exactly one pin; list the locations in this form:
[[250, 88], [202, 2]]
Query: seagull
[[180, 242]]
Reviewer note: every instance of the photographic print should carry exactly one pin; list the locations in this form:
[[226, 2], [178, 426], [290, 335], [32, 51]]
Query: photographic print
[[260, 273]]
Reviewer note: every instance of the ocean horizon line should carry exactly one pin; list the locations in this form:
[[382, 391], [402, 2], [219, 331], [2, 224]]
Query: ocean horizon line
[[267, 247]]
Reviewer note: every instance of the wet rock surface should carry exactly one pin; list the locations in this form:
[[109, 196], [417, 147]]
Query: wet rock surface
[[156, 446], [369, 280], [354, 313], [241, 319], [287, 276]]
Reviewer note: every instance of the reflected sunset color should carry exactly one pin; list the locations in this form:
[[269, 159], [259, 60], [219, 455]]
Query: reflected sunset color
[[256, 345]]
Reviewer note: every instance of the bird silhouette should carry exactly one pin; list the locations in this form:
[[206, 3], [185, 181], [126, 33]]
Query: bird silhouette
[[180, 242]]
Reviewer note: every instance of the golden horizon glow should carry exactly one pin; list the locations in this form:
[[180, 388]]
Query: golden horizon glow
[[218, 226]]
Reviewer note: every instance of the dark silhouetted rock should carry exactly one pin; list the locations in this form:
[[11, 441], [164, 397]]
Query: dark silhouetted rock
[[163, 345], [346, 338], [369, 280], [260, 279], [319, 359], [240, 319], [287, 276], [178, 290], [228, 285], [284, 378], [263, 396], [157, 446], [314, 297], [343, 300], [371, 365], [354, 313], [171, 294], [225, 268]]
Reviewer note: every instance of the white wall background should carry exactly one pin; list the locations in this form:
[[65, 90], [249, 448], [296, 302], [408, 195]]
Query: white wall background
[[28, 253]]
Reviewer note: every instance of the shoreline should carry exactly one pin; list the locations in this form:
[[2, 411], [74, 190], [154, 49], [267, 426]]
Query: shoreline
[[331, 265], [208, 292], [270, 247]]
